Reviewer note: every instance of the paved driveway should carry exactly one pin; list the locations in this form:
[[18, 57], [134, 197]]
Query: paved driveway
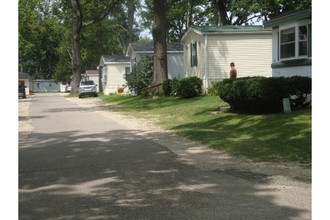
[[79, 164]]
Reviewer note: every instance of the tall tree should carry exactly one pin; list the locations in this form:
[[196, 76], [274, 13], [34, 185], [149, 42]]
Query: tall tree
[[39, 34], [180, 14], [77, 21], [246, 12], [160, 47], [85, 13]]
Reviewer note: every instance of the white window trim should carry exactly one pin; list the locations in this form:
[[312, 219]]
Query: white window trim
[[296, 26]]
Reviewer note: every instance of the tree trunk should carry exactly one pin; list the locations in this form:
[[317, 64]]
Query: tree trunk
[[220, 14], [131, 11], [76, 58], [160, 48]]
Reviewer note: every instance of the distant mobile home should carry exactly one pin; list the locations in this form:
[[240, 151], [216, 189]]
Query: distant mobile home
[[209, 50], [113, 73], [44, 85], [136, 51]]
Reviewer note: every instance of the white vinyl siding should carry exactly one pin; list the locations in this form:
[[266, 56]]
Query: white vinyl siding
[[175, 66], [115, 77], [188, 68], [250, 53]]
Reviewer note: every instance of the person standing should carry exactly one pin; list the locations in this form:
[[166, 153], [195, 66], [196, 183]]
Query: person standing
[[233, 71]]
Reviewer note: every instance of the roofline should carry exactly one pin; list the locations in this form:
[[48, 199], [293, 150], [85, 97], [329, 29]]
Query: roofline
[[124, 62], [261, 31], [288, 17], [130, 49], [152, 52]]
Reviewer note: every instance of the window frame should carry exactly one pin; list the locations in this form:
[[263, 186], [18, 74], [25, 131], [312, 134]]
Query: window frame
[[193, 54], [297, 41]]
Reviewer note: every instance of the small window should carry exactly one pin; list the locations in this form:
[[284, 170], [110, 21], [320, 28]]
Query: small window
[[193, 49], [127, 70], [294, 42], [288, 43], [303, 41]]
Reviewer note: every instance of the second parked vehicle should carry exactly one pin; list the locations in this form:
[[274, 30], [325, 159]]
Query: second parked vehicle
[[87, 87]]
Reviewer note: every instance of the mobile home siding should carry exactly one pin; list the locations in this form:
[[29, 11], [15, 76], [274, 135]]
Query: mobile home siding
[[250, 53], [115, 78], [175, 66], [249, 48], [199, 69]]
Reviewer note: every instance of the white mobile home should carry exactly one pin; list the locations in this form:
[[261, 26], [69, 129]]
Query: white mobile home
[[209, 50], [44, 85], [292, 43], [136, 51], [113, 73]]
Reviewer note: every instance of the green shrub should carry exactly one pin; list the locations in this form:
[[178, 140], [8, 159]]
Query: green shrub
[[189, 87], [169, 87], [261, 94], [141, 75], [214, 89]]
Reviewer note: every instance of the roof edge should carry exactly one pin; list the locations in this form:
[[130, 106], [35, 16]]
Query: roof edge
[[291, 16]]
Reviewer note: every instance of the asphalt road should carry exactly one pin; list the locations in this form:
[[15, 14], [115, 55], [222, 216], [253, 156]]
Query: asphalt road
[[78, 164]]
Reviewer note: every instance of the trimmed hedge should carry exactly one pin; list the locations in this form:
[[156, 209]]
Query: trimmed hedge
[[261, 94], [189, 87]]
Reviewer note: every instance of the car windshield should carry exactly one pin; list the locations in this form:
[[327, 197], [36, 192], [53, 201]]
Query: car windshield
[[86, 83]]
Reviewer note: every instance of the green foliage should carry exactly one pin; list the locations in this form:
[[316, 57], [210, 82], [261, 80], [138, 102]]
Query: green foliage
[[45, 35], [214, 89], [184, 13], [260, 94], [141, 75], [39, 36], [189, 87], [170, 86], [275, 137]]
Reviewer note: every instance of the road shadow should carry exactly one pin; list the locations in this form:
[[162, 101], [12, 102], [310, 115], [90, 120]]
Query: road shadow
[[118, 174]]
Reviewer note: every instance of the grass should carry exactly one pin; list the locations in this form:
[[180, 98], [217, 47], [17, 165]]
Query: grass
[[279, 137]]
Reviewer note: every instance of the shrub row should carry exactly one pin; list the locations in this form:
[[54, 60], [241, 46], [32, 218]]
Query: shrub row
[[261, 94], [184, 88]]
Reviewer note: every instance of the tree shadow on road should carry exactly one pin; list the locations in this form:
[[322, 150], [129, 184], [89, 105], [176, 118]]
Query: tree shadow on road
[[121, 175]]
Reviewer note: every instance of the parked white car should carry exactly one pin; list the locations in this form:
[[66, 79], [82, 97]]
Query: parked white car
[[68, 88], [87, 88]]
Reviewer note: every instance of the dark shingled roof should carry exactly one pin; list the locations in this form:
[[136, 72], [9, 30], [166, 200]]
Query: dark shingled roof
[[143, 47], [22, 75], [115, 58]]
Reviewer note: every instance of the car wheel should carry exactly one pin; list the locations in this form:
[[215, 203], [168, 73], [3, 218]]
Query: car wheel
[[80, 96]]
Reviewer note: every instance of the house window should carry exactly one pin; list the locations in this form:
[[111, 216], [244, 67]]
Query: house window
[[193, 50], [288, 43], [294, 42], [303, 41], [127, 70]]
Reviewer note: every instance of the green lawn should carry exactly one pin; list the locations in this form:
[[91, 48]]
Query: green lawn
[[270, 137]]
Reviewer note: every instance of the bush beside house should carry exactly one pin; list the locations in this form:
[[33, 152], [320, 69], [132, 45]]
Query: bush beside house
[[264, 95]]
